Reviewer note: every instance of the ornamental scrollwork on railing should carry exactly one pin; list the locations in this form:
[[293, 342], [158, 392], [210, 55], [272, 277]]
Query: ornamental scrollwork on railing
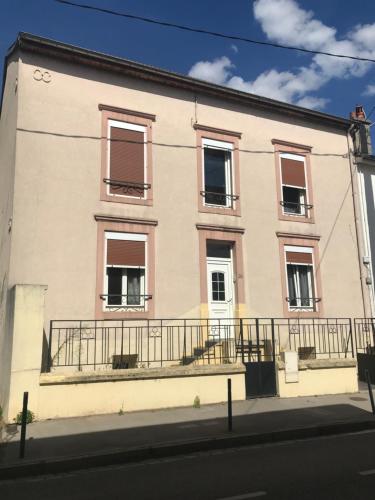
[[155, 333], [128, 188], [294, 329]]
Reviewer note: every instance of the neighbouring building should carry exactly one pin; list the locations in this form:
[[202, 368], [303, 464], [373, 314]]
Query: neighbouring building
[[153, 223], [364, 162]]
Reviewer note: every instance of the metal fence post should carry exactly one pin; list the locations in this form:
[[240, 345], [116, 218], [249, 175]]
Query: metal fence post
[[257, 337], [351, 336], [23, 424], [367, 373], [80, 346], [373, 331], [161, 343], [241, 340], [49, 360], [230, 405], [148, 343], [184, 348], [122, 343], [273, 339]]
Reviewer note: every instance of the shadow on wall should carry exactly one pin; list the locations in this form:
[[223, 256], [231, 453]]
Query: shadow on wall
[[45, 354]]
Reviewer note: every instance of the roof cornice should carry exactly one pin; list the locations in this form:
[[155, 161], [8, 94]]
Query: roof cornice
[[51, 48]]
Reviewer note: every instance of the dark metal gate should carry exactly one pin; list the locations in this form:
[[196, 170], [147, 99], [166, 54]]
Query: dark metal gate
[[257, 344], [365, 347]]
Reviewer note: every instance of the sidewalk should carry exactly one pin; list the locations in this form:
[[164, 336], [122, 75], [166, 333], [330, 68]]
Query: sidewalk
[[141, 434]]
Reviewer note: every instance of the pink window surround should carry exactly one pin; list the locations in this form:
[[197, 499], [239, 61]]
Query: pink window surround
[[135, 118], [206, 132], [227, 234], [310, 241], [126, 226], [301, 150]]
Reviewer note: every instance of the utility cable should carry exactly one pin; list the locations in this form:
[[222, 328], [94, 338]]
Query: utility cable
[[207, 32], [163, 144]]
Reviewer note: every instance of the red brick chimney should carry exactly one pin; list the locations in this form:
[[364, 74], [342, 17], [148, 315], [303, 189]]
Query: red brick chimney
[[358, 114]]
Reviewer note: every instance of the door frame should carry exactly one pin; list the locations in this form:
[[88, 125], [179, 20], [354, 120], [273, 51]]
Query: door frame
[[232, 235], [230, 282]]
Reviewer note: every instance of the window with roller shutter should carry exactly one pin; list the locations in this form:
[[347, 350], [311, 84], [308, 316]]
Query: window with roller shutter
[[300, 278], [294, 195], [127, 160], [125, 271]]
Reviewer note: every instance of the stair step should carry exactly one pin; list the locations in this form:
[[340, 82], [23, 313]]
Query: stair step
[[187, 360], [201, 353]]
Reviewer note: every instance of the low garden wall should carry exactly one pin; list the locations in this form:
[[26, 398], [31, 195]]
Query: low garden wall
[[318, 377], [92, 393]]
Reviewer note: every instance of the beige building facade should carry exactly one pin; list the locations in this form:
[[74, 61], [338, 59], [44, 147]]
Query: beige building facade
[[230, 205]]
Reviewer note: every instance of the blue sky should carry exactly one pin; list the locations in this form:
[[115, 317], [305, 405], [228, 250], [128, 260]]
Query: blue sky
[[332, 85]]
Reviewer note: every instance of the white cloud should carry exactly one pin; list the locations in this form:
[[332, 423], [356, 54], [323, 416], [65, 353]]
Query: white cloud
[[369, 90], [234, 48], [365, 35], [217, 71], [285, 22], [313, 102]]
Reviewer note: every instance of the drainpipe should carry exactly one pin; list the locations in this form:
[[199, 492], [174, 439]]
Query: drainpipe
[[358, 228]]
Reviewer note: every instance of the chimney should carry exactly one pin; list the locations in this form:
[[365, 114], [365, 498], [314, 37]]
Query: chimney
[[358, 114], [360, 132]]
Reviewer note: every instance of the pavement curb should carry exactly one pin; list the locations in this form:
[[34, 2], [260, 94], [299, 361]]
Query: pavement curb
[[68, 464]]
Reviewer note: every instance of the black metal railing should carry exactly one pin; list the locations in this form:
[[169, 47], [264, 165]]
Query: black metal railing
[[128, 188], [364, 335], [318, 338], [126, 301], [131, 343], [297, 303], [296, 208], [214, 198]]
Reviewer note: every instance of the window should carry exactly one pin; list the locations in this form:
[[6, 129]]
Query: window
[[125, 267], [300, 278], [217, 174], [125, 271], [293, 178], [218, 170], [218, 286], [301, 282], [127, 160], [219, 249], [293, 185]]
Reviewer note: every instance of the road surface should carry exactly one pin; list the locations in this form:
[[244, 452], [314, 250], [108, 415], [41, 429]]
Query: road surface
[[336, 467]]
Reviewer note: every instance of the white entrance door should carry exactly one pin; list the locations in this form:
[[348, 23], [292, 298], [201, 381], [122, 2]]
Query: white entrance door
[[221, 298]]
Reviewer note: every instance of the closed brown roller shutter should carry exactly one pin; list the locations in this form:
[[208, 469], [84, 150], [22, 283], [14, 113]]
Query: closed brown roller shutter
[[127, 159], [125, 253], [299, 258], [293, 172]]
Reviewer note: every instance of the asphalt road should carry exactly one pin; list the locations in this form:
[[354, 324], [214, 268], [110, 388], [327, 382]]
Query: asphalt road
[[338, 467]]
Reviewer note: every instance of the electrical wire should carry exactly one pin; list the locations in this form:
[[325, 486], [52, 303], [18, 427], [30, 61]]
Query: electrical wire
[[207, 32], [166, 145]]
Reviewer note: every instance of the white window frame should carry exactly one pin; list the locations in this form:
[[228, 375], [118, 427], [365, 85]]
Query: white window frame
[[110, 235], [126, 126], [303, 197], [226, 285], [310, 277], [229, 171]]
